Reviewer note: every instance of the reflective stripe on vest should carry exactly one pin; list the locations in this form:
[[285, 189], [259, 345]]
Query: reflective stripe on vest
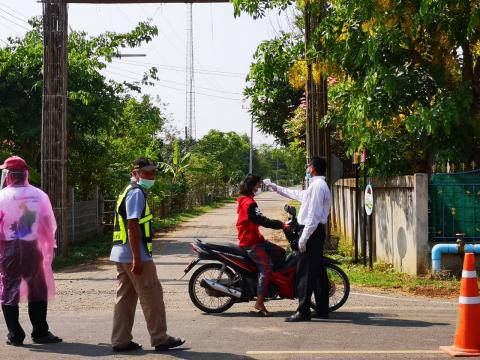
[[120, 234]]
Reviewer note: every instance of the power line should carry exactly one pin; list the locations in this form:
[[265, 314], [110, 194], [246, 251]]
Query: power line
[[172, 28], [15, 11], [175, 82], [13, 22], [172, 43], [212, 81], [14, 16], [178, 68], [177, 89]]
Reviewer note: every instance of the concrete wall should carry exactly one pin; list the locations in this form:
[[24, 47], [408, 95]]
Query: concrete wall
[[400, 220]]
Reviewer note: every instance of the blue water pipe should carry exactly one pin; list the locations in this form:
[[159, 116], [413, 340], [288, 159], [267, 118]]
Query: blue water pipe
[[459, 248]]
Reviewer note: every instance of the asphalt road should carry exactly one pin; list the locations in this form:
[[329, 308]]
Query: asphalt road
[[371, 325]]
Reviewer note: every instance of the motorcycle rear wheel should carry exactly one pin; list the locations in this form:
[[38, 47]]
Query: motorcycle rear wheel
[[339, 287], [199, 295]]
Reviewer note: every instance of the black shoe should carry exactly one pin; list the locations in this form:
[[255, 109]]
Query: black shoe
[[320, 316], [131, 346], [172, 342], [298, 317], [14, 342], [47, 339]]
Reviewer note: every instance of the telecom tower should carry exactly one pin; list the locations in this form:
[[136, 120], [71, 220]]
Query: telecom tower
[[190, 126]]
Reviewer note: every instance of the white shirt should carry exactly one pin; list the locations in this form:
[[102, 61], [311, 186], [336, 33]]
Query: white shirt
[[316, 201]]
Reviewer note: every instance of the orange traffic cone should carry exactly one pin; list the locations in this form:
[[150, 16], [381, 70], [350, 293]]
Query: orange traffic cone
[[467, 339]]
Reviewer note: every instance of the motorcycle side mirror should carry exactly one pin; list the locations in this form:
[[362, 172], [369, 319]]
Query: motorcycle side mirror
[[291, 210]]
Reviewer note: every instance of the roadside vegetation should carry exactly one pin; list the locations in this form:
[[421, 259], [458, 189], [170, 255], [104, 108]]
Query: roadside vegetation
[[384, 277], [100, 245], [403, 79]]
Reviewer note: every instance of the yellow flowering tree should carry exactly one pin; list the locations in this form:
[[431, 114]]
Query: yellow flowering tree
[[407, 77]]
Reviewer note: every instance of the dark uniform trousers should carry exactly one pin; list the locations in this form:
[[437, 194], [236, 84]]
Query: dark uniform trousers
[[28, 266], [312, 276]]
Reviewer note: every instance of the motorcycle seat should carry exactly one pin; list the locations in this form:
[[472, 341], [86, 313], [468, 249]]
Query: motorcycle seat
[[228, 248]]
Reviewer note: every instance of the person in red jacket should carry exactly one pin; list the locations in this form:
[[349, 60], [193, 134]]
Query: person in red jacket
[[264, 253]]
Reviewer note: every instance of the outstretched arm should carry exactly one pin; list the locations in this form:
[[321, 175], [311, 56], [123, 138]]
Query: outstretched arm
[[289, 193], [258, 218]]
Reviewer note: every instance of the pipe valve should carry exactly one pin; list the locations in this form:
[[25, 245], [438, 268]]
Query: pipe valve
[[461, 243]]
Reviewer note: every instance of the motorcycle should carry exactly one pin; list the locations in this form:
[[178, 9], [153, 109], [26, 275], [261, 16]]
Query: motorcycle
[[230, 276]]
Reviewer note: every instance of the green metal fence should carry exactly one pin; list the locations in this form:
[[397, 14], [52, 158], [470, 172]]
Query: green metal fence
[[454, 206]]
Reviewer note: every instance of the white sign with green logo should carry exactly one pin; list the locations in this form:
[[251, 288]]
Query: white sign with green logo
[[369, 199]]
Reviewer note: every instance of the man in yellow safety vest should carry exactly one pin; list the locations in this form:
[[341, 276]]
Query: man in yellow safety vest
[[136, 271]]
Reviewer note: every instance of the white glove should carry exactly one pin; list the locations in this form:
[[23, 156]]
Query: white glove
[[273, 186], [302, 245]]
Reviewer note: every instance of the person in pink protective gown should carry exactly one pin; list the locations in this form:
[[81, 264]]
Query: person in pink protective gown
[[27, 243]]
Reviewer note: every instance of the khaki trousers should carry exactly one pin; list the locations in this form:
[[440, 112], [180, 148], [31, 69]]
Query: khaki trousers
[[148, 289]]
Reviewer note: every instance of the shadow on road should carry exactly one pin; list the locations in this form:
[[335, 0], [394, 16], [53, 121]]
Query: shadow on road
[[357, 318], [99, 350], [171, 247], [73, 348], [251, 314], [378, 319], [197, 355]]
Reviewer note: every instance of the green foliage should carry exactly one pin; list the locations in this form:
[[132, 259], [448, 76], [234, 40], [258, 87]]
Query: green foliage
[[101, 244], [230, 150], [89, 251], [404, 78], [403, 88], [273, 100], [257, 8], [107, 127], [282, 165]]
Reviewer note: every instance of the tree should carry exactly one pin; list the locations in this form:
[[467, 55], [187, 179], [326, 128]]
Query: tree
[[98, 109], [230, 149], [257, 8], [404, 78], [280, 164], [273, 99], [403, 89], [134, 133]]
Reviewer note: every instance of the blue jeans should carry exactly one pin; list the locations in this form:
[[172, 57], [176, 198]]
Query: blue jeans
[[265, 255]]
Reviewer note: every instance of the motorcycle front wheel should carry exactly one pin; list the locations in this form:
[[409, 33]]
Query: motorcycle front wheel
[[339, 287], [206, 299]]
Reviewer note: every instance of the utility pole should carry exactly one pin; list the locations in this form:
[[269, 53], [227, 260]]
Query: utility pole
[[54, 114], [317, 138]]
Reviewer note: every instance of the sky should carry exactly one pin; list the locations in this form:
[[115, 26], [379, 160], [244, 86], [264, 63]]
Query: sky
[[223, 51]]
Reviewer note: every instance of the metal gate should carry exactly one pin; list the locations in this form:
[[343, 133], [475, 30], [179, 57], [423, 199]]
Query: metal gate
[[454, 206]]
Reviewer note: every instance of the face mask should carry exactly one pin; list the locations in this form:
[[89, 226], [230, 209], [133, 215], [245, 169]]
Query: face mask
[[258, 192], [146, 183]]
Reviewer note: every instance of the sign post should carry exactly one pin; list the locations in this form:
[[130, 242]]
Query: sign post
[[363, 160], [369, 211], [357, 204]]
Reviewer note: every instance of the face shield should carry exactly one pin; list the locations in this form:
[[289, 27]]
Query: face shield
[[3, 179], [13, 177]]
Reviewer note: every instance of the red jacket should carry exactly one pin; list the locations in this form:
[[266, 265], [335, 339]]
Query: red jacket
[[250, 219]]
